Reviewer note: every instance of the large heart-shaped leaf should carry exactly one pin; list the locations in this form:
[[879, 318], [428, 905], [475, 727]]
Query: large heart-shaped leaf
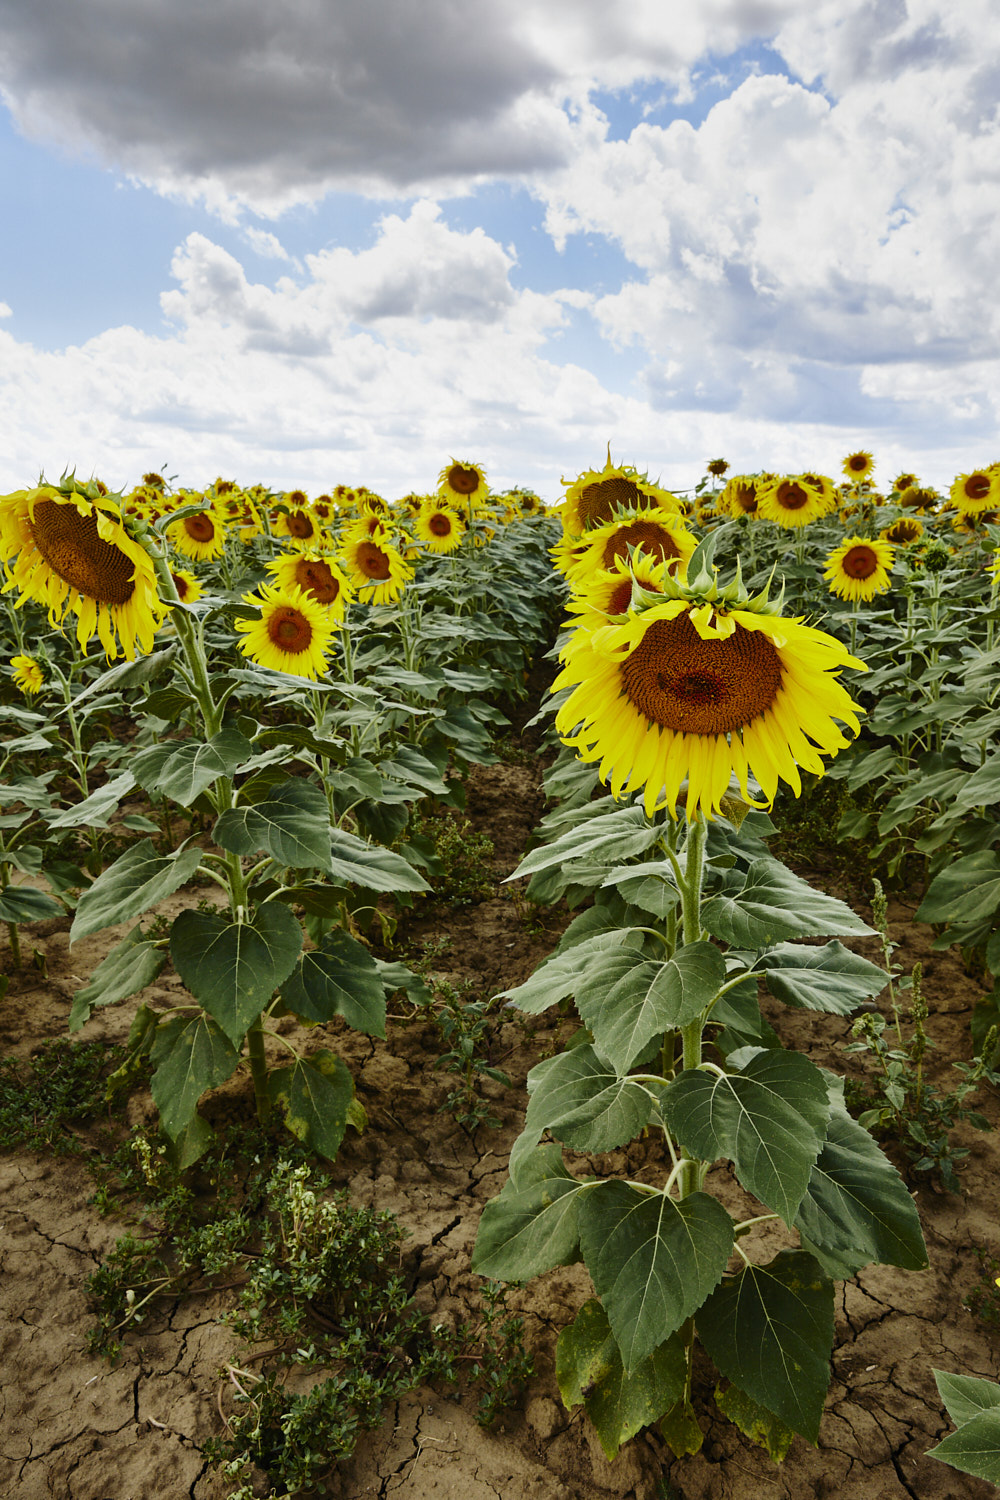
[[627, 999], [134, 883], [291, 823], [233, 968], [532, 1225]]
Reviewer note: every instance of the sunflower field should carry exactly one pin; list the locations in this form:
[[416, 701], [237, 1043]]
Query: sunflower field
[[499, 997]]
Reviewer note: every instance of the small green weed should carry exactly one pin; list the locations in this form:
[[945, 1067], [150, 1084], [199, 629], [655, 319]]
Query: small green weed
[[62, 1085], [984, 1300], [461, 863]]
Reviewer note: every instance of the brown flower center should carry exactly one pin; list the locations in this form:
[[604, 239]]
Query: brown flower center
[[791, 496], [462, 480], [300, 525], [317, 579], [289, 630], [745, 496], [71, 546], [200, 528], [860, 562], [601, 499], [440, 524], [647, 535], [858, 463], [977, 486], [683, 683], [372, 561], [904, 531], [181, 585]]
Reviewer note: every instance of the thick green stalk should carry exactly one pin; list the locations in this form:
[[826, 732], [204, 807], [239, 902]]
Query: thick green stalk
[[694, 849]]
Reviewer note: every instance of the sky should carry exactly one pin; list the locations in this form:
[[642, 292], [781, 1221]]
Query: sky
[[311, 242]]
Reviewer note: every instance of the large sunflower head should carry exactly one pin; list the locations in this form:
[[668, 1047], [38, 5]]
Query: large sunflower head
[[858, 466], [463, 483], [438, 527], [794, 500], [292, 634], [200, 536], [318, 576], [68, 549], [598, 496], [859, 568], [375, 566], [703, 689]]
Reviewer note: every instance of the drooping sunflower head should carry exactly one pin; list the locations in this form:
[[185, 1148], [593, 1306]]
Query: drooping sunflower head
[[794, 501], [598, 496], [858, 466], [859, 568], [200, 536], [67, 549], [438, 527], [903, 532], [717, 467], [292, 634], [27, 674], [921, 499], [154, 481], [462, 483], [905, 481], [977, 491], [698, 689], [319, 577]]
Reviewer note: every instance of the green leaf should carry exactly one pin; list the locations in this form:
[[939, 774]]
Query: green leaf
[[770, 1119], [965, 1396], [292, 824], [129, 673], [558, 977], [627, 999], [966, 890], [20, 903], [857, 1206], [233, 968], [589, 1369], [649, 886], [619, 834], [653, 1261], [190, 1143], [770, 1330], [315, 1096], [532, 1226], [371, 866], [128, 968], [340, 978], [183, 769], [584, 1102], [760, 1425], [134, 883], [190, 1055], [680, 1430], [831, 978], [771, 905], [974, 1448], [94, 811]]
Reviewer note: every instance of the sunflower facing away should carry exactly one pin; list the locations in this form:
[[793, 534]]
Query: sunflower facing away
[[859, 569], [27, 674], [318, 576], [293, 633], [694, 687], [65, 550]]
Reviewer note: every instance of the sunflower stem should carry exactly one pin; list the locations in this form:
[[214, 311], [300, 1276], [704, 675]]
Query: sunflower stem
[[694, 860], [193, 645], [258, 1070]]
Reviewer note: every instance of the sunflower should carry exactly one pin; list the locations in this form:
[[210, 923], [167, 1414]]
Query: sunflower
[[793, 501], [462, 483], [298, 525], [63, 549], [692, 686], [902, 532], [598, 496], [189, 590], [859, 569], [27, 674], [717, 467], [376, 567], [657, 532], [293, 633], [608, 591], [740, 496], [858, 466], [201, 536], [977, 491], [316, 575], [438, 527], [905, 481]]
